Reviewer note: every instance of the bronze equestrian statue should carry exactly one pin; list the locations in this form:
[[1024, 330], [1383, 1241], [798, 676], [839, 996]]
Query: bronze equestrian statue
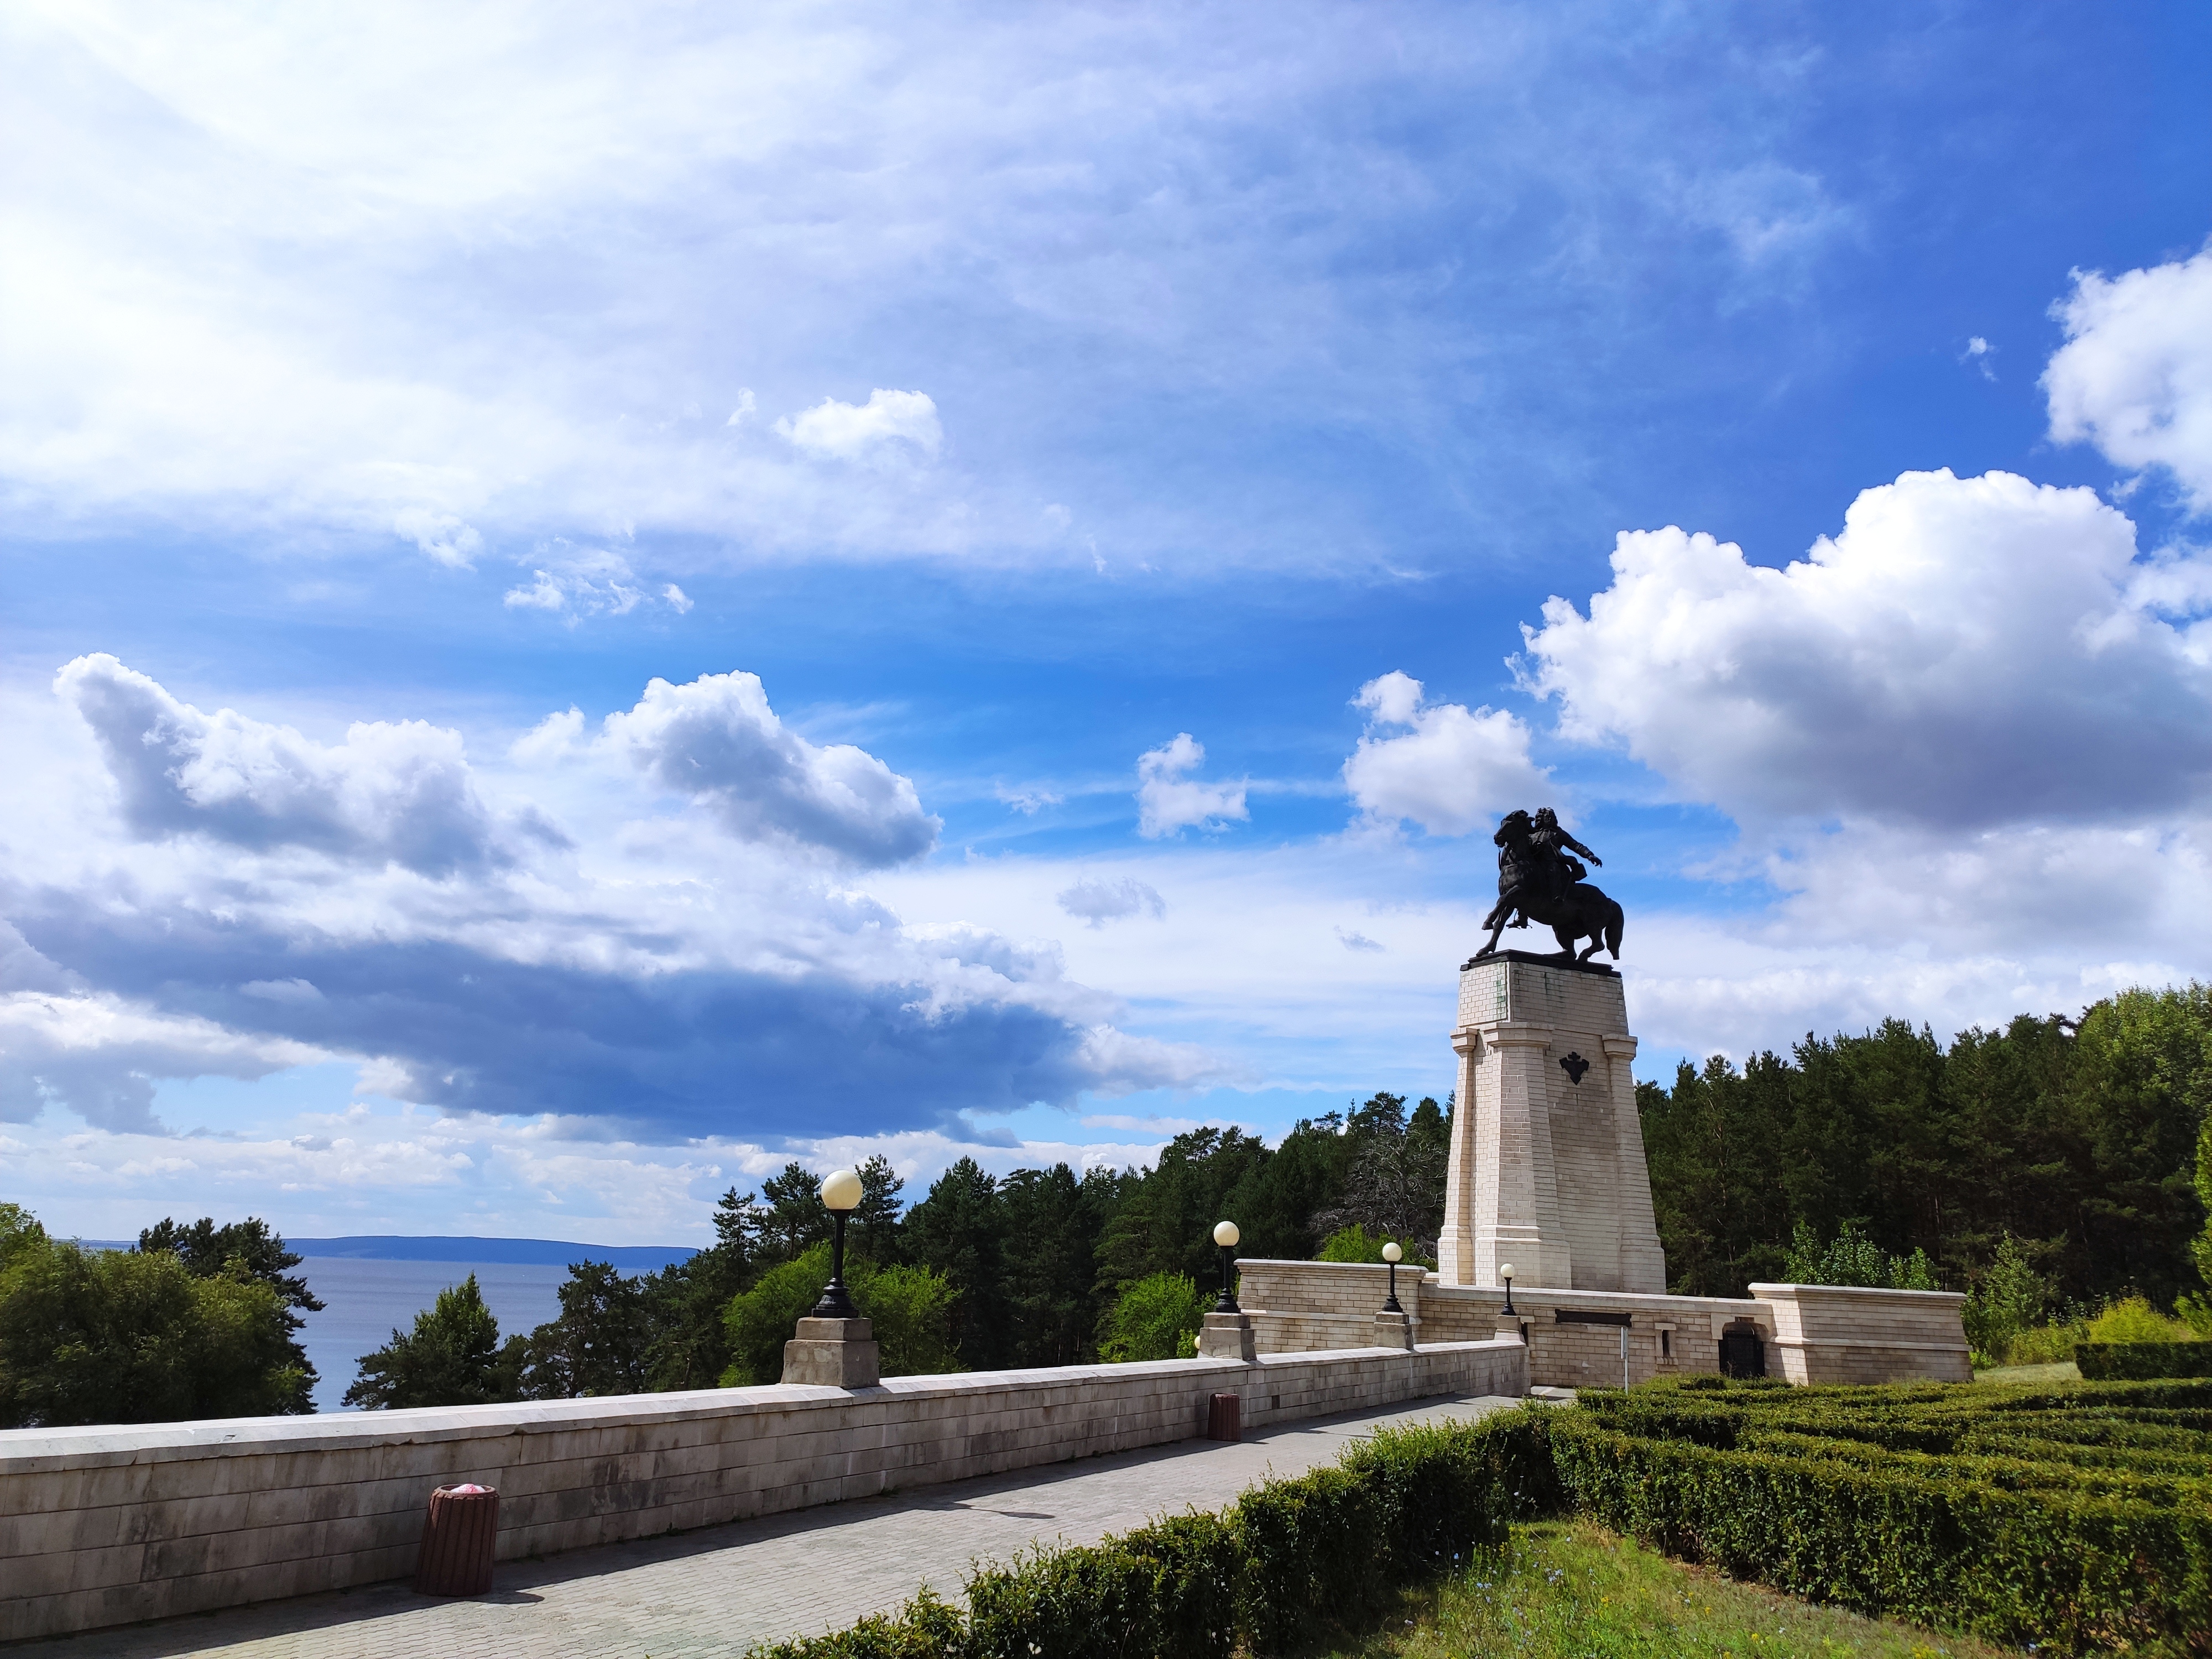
[[1540, 879]]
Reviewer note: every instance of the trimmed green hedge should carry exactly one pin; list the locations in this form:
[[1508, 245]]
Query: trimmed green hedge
[[2143, 1360], [2076, 1517], [1289, 1559]]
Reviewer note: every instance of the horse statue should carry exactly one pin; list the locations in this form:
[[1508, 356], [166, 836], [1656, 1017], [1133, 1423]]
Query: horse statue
[[1540, 880]]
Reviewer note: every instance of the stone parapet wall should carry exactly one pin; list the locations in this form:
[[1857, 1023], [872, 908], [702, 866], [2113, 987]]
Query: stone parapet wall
[[1840, 1333], [108, 1526], [1811, 1334]]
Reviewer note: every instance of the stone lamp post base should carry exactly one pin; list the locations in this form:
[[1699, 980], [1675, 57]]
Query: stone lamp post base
[[1395, 1330], [837, 1353], [1227, 1336]]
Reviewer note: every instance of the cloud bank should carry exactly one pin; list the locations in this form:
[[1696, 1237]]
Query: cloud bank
[[650, 927], [1966, 653]]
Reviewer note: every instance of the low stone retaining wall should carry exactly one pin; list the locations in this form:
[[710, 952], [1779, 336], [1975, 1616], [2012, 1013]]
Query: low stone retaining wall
[[1840, 1334], [109, 1526], [1811, 1333]]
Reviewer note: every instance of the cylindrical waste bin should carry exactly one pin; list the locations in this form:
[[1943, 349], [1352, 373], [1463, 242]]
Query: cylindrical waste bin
[[1225, 1417], [458, 1540]]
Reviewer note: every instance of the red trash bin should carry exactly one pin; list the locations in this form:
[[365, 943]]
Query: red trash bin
[[458, 1542], [1225, 1417]]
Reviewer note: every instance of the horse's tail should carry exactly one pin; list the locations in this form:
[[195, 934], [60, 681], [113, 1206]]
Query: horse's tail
[[1613, 925]]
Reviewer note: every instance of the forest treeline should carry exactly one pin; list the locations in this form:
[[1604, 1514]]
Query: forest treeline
[[2083, 1143], [2050, 1168]]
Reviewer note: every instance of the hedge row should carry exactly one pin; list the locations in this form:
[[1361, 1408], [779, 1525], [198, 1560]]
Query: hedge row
[[2030, 1516], [2077, 1517], [2143, 1360], [1290, 1558]]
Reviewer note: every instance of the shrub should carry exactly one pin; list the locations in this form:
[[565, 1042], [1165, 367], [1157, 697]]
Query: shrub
[[1167, 1589], [2134, 1320], [1855, 1259], [909, 1308], [2077, 1518], [451, 1358], [2007, 1299], [1902, 1500], [1352, 1244], [118, 1336], [2144, 1360], [1158, 1317]]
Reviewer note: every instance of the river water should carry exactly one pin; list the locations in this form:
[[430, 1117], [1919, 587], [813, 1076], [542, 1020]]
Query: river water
[[363, 1301]]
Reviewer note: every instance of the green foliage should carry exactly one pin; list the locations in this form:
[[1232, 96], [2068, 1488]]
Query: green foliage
[[762, 1320], [1291, 1559], [1898, 1500], [1352, 1244], [795, 1217], [910, 1307], [451, 1358], [927, 1627], [1396, 1166], [1854, 1259], [1573, 1590], [958, 1231], [125, 1336], [2144, 1360], [2009, 1298], [1158, 1317], [2077, 1141], [2132, 1319], [2075, 1518], [596, 1346], [248, 1250], [2201, 1250], [686, 1346], [1164, 1588]]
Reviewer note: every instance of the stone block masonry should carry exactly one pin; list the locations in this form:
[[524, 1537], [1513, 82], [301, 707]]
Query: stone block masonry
[[1810, 1334], [108, 1526], [1547, 1168]]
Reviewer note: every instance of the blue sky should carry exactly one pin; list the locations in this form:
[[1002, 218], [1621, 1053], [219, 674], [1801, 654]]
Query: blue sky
[[1171, 478]]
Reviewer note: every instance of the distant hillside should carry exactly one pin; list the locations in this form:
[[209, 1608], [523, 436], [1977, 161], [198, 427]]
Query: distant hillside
[[509, 1252], [537, 1252]]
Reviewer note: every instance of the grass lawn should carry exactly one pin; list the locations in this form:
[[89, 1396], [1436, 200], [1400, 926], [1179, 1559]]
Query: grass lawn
[[2064, 1370], [1571, 1591]]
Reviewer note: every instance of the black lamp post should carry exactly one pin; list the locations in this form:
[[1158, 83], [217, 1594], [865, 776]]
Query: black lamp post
[[1226, 1235], [1505, 1273], [1394, 1256], [841, 1196]]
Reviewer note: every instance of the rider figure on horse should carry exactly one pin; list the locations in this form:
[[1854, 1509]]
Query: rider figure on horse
[[1552, 840], [1535, 863], [1540, 878]]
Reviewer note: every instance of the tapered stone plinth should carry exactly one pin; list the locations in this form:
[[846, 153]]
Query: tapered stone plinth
[[837, 1353], [1227, 1336], [1547, 1172]]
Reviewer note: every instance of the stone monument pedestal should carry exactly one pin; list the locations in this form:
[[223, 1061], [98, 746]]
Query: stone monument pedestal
[[1227, 1336], [1547, 1173], [1395, 1330], [837, 1353]]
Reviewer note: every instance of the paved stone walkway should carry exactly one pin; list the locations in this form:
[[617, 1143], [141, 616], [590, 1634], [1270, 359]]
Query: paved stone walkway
[[720, 1589]]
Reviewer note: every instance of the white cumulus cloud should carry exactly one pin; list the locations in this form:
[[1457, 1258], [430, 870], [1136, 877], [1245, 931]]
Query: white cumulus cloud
[[1966, 653], [397, 792], [1098, 901], [848, 431], [1449, 769], [2134, 376], [1169, 799], [717, 741]]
